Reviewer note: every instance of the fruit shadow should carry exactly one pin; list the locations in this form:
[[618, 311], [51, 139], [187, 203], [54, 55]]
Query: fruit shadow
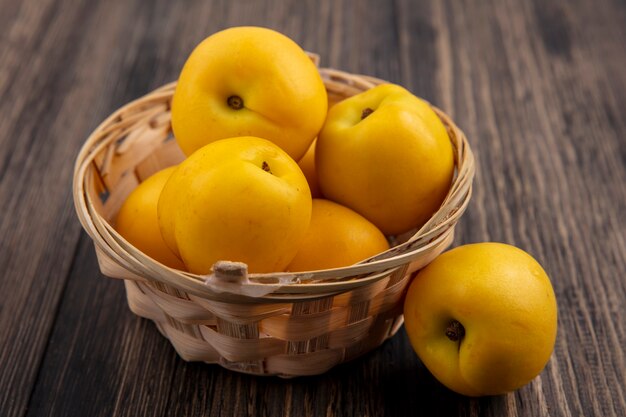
[[391, 380]]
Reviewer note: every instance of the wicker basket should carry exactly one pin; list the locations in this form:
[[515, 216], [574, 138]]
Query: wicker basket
[[285, 324]]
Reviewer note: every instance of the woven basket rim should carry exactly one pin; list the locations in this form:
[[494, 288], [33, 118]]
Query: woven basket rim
[[437, 231]]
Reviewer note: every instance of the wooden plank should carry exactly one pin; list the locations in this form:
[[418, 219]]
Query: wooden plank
[[527, 84], [56, 85], [101, 360], [46, 110]]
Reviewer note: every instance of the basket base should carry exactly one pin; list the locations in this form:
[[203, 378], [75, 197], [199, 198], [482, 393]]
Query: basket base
[[200, 339]]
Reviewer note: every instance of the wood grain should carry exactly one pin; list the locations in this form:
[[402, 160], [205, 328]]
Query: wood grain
[[538, 87]]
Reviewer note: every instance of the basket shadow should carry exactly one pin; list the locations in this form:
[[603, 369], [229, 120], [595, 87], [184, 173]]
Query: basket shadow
[[388, 381]]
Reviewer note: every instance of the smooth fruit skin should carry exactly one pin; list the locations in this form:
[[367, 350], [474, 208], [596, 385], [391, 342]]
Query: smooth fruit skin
[[283, 96], [506, 304], [337, 236], [307, 165], [137, 220], [394, 166], [238, 199]]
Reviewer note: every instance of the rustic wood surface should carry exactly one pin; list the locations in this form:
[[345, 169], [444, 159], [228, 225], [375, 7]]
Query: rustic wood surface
[[539, 87]]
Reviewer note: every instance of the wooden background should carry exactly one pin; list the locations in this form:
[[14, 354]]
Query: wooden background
[[539, 87]]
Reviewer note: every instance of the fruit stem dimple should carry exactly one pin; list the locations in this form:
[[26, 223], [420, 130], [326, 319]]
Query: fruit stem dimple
[[366, 112], [266, 167], [455, 331], [235, 102]]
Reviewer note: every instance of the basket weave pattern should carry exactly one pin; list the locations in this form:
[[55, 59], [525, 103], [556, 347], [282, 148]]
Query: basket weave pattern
[[286, 324]]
